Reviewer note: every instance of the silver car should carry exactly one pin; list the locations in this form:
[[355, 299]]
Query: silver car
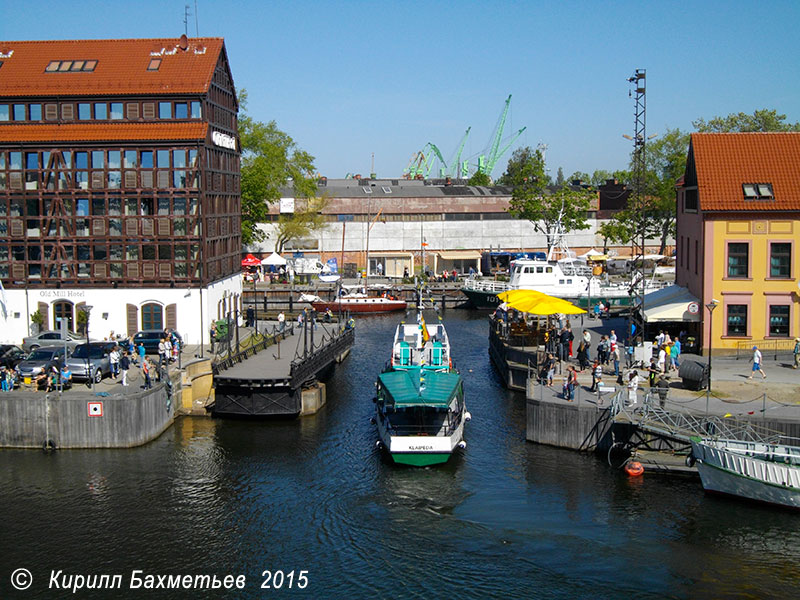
[[40, 359], [91, 361], [51, 338]]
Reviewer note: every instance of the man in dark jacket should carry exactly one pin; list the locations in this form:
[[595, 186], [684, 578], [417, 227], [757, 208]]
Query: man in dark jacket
[[565, 337], [124, 365]]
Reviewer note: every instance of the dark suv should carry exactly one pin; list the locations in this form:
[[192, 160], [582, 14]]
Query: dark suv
[[150, 339]]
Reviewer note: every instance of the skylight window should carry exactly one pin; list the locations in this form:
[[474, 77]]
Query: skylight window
[[386, 190], [70, 66], [367, 189], [155, 63], [758, 191]]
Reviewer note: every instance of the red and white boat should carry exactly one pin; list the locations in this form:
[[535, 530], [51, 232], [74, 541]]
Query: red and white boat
[[360, 303]]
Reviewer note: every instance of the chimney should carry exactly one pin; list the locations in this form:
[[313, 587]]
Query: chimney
[[183, 44]]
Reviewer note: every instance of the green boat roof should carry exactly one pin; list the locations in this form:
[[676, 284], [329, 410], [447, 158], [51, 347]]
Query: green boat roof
[[409, 388]]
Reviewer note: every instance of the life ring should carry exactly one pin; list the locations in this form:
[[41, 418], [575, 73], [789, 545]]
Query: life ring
[[634, 469], [48, 445]]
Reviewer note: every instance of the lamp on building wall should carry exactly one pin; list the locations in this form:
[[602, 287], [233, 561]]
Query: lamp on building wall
[[710, 306]]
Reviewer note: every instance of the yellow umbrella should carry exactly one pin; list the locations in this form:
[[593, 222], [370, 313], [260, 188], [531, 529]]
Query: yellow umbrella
[[537, 303]]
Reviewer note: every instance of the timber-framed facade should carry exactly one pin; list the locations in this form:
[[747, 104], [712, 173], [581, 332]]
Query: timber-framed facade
[[119, 170]]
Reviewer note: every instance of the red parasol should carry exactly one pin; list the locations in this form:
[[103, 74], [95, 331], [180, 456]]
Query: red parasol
[[251, 261]]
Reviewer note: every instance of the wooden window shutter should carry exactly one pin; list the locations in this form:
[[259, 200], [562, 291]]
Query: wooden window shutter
[[18, 271], [98, 226], [147, 179], [163, 180], [51, 112], [130, 179], [67, 112], [43, 310], [164, 271], [148, 110], [133, 270], [148, 271], [100, 270], [15, 181], [131, 227], [133, 110], [163, 227], [133, 319], [17, 227], [147, 226], [172, 316]]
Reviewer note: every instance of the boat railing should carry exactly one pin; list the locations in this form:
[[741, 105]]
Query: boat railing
[[485, 285], [789, 454], [420, 430]]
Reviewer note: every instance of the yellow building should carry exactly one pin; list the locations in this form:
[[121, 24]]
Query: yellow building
[[738, 230]]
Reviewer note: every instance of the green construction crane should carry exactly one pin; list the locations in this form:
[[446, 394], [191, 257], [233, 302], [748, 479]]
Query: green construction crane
[[455, 164], [487, 162]]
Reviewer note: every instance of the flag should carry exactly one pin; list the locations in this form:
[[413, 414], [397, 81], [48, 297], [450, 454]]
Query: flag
[[425, 335]]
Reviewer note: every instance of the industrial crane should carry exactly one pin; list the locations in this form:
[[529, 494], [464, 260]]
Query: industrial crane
[[457, 169], [422, 162], [487, 162]]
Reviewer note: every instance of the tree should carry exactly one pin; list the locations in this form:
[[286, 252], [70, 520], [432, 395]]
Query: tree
[[615, 230], [551, 213], [760, 120], [480, 178], [304, 221], [560, 177], [270, 160], [579, 176]]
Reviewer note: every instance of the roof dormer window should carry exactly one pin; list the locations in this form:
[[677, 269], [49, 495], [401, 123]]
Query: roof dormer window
[[758, 191], [70, 66]]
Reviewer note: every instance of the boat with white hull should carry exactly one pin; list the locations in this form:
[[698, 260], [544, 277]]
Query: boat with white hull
[[759, 471], [420, 410]]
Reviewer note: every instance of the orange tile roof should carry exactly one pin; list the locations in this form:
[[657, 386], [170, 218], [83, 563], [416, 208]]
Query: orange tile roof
[[87, 132], [121, 67], [725, 161]]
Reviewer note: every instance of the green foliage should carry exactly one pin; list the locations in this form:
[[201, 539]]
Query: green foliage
[[37, 317], [531, 200], [560, 177], [306, 219], [760, 120], [579, 176], [270, 160], [480, 178]]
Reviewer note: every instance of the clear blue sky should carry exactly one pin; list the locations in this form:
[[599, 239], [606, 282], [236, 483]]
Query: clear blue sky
[[348, 79]]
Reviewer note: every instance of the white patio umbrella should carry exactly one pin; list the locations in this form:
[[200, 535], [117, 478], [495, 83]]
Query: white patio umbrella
[[274, 259]]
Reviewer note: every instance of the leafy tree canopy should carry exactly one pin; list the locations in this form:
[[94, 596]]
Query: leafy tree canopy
[[530, 198], [480, 178], [306, 219], [760, 120], [270, 160]]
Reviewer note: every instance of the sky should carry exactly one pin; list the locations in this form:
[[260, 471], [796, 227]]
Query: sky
[[357, 82]]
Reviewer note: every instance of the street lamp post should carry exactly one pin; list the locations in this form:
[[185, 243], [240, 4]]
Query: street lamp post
[[710, 306], [87, 309]]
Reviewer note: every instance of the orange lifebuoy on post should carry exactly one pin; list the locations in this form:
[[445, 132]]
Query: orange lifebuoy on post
[[634, 469]]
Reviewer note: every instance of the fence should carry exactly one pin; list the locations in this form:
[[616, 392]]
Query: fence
[[783, 348]]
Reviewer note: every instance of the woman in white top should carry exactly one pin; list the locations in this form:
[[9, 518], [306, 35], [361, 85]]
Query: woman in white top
[[662, 359]]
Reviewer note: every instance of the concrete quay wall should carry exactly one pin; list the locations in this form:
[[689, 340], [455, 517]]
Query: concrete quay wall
[[33, 420]]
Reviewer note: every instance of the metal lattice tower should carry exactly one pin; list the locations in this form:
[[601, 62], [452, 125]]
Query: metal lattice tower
[[638, 202]]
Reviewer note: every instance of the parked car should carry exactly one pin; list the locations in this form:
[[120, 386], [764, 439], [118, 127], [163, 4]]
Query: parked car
[[91, 361], [11, 356], [42, 359], [50, 338], [150, 339]]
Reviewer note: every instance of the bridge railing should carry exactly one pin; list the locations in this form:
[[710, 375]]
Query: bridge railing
[[251, 347], [305, 368]]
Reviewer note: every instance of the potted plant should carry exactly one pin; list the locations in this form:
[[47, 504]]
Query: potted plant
[[37, 321], [82, 319]]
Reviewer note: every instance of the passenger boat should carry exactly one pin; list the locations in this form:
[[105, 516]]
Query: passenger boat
[[562, 279], [420, 409], [759, 471]]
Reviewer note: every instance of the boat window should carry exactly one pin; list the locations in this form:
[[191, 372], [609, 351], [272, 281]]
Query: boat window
[[539, 270], [560, 282], [569, 280], [529, 269], [549, 269]]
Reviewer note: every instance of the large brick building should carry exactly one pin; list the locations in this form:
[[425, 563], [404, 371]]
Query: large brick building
[[119, 184]]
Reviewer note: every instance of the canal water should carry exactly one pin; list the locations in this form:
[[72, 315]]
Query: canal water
[[505, 519]]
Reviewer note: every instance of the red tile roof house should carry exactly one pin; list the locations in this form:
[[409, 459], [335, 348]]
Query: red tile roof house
[[738, 233], [119, 185]]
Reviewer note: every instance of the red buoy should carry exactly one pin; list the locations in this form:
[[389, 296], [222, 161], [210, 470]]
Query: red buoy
[[634, 469]]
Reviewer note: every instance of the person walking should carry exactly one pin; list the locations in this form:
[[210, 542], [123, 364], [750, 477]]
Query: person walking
[[587, 339], [142, 353], [597, 375], [124, 365], [796, 352], [148, 382], [675, 354], [662, 359], [162, 351], [757, 363], [281, 322], [615, 358], [633, 386], [583, 356], [113, 359]]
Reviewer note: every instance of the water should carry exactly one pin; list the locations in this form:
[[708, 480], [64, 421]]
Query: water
[[505, 519]]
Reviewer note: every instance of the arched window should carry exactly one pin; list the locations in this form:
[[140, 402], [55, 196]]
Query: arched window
[[152, 316], [63, 311]]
